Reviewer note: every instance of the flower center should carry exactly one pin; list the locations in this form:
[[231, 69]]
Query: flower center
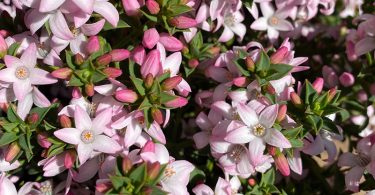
[[169, 172], [46, 188], [87, 136], [75, 31], [259, 130], [235, 154], [121, 132], [22, 72], [273, 20], [230, 20]]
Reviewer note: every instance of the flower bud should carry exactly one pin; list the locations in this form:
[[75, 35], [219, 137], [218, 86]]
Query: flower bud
[[138, 55], [126, 95], [150, 38], [250, 64], [153, 6], [76, 93], [346, 79], [251, 182], [12, 151], [3, 47], [171, 83], [4, 107], [318, 84], [104, 60], [182, 22], [193, 63], [331, 94], [279, 55], [42, 139], [93, 45], [103, 187], [214, 51], [177, 102], [157, 115], [119, 55], [270, 89], [33, 118], [151, 64], [149, 81], [170, 43], [126, 164], [78, 59], [89, 89], [241, 81], [271, 150], [112, 72], [69, 158], [131, 7], [65, 121], [62, 73], [153, 170], [282, 113], [362, 96], [282, 164], [296, 100]]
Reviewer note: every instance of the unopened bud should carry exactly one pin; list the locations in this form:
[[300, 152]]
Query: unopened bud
[[296, 100], [149, 81], [126, 96], [138, 54], [157, 115], [282, 113], [214, 50], [12, 151], [153, 6], [119, 55], [279, 55], [42, 139], [65, 121], [112, 72], [4, 107], [78, 59], [193, 63], [331, 94], [183, 22], [171, 83], [346, 79], [76, 93], [103, 187], [70, 158], [89, 89], [4, 33], [153, 170], [318, 84], [271, 150], [104, 60], [127, 164], [251, 182], [93, 45], [282, 164], [33, 118], [241, 81], [250, 64], [177, 102], [270, 89], [62, 73]]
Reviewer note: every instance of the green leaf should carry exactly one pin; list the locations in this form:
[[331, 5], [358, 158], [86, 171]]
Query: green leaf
[[278, 71], [240, 63], [292, 133], [138, 83], [329, 125], [197, 175], [268, 178], [9, 126], [150, 17], [166, 97], [98, 76], [197, 41], [296, 143], [8, 138], [157, 191], [139, 174], [331, 109], [42, 112], [179, 9], [145, 104], [12, 116], [263, 64], [12, 49], [56, 149], [75, 81], [120, 24], [69, 59], [308, 93], [23, 142], [118, 181]]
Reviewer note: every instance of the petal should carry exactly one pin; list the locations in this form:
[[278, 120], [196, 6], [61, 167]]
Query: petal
[[41, 77], [352, 178], [39, 99], [34, 19], [283, 25], [78, 44], [108, 11], [226, 35], [84, 152], [59, 27], [315, 147], [8, 75], [201, 139], [260, 24], [276, 138], [29, 56], [92, 29], [365, 45], [203, 122], [12, 62], [86, 6], [239, 29], [239, 135], [348, 159], [267, 9], [272, 34], [244, 166], [172, 63], [59, 44], [87, 170], [268, 116], [81, 119], [248, 115], [155, 132], [7, 187], [101, 121], [256, 150], [24, 106], [105, 144], [48, 5], [133, 131], [21, 88], [69, 135], [295, 162]]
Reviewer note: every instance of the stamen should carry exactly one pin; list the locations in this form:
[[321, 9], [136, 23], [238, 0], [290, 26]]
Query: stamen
[[87, 136], [235, 154], [259, 130], [273, 20], [22, 72]]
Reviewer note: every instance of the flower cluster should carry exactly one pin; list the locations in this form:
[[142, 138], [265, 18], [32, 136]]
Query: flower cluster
[[187, 97]]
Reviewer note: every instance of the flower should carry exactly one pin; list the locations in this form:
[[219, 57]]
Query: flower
[[87, 135], [21, 72]]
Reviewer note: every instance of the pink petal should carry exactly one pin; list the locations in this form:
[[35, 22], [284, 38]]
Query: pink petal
[[24, 106], [365, 45], [41, 77], [283, 25], [8, 75], [239, 135], [239, 29], [39, 99], [29, 56], [348, 159], [260, 24], [78, 44], [69, 135], [201, 139], [315, 147], [108, 11], [352, 178], [86, 6], [133, 131], [256, 150], [87, 171], [244, 166], [248, 115], [48, 5], [21, 88], [84, 152], [7, 187], [92, 29], [295, 162], [105, 144], [81, 119], [272, 34], [226, 35], [59, 27], [12, 62], [101, 121], [267, 9], [276, 138], [268, 116], [34, 19], [203, 122], [172, 63], [155, 132]]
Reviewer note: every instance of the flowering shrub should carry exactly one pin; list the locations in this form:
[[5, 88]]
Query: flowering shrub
[[180, 97]]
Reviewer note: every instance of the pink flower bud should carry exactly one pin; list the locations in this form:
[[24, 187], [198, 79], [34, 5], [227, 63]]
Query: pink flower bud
[[131, 7], [3, 47], [42, 139], [176, 103], [149, 81], [170, 43], [119, 55], [153, 170], [193, 63], [12, 151], [93, 45], [251, 182], [138, 55], [170, 83], [104, 60], [153, 6], [76, 93], [241, 81], [183, 22], [127, 164], [112, 72], [78, 59], [33, 118], [271, 150], [126, 95], [65, 121], [89, 89], [282, 164], [318, 84], [250, 64], [62, 73], [362, 96], [347, 79], [296, 100], [331, 93], [103, 187], [150, 38], [279, 55], [157, 115], [151, 64], [282, 113], [69, 158]]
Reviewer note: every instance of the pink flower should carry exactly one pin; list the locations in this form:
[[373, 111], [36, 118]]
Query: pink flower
[[87, 135], [23, 74], [150, 38], [223, 187], [233, 25]]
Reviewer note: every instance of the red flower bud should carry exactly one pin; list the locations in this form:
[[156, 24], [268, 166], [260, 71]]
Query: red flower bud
[[153, 170], [282, 113], [279, 55], [126, 164], [33, 118], [42, 139], [89, 89], [318, 84], [62, 73], [250, 64], [153, 6], [282, 164], [65, 121], [126, 95], [78, 59], [149, 80], [157, 115], [12, 151], [193, 63], [112, 72], [176, 103], [296, 100], [104, 60], [183, 22], [170, 83], [69, 158], [119, 55]]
